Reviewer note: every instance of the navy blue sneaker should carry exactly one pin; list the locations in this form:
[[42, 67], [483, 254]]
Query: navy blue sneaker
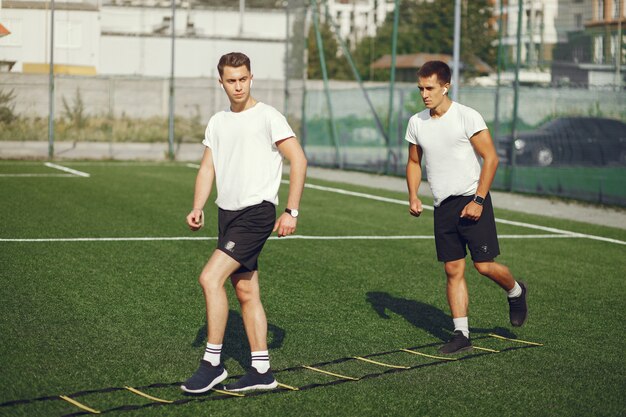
[[253, 380], [458, 343], [518, 308], [206, 377]]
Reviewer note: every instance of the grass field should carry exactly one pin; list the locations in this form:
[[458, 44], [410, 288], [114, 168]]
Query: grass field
[[98, 290]]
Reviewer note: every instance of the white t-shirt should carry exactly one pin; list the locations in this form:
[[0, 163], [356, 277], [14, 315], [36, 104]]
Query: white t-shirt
[[248, 166], [452, 165]]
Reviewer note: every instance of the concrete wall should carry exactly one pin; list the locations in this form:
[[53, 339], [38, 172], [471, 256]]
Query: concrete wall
[[134, 97]]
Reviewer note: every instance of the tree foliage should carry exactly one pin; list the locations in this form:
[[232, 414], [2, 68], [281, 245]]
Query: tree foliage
[[337, 66], [426, 27]]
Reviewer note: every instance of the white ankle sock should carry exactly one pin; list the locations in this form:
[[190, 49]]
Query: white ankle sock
[[212, 354], [261, 361], [461, 324], [516, 291]]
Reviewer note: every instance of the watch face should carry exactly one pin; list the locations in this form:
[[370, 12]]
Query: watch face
[[294, 212]]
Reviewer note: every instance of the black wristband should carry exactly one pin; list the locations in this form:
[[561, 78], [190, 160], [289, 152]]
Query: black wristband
[[478, 200]]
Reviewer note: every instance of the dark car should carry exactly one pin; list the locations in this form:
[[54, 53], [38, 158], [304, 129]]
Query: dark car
[[568, 141]]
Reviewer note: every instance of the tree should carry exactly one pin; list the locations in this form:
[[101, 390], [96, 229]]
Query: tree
[[337, 66], [429, 27]]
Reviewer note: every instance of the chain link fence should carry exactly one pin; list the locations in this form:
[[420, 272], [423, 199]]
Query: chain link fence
[[554, 103], [557, 118]]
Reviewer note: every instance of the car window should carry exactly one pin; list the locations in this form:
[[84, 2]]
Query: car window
[[613, 129]]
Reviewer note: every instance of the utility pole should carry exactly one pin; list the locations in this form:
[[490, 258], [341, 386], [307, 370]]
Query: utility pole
[[171, 100], [456, 59], [242, 11], [51, 87], [520, 9], [618, 58]]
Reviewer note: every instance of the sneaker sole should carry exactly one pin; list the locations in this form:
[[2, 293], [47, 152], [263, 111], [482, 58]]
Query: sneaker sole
[[255, 387], [525, 305], [208, 387], [463, 349]]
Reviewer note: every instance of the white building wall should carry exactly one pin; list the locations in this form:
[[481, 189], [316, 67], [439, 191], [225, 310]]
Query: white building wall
[[357, 19], [195, 57], [76, 37], [572, 16], [538, 23], [119, 40], [130, 46], [264, 24]]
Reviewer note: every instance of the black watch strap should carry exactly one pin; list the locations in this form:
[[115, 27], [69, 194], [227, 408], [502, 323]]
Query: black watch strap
[[479, 200]]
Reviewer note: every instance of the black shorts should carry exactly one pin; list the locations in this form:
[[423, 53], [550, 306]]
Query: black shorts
[[452, 233], [242, 233]]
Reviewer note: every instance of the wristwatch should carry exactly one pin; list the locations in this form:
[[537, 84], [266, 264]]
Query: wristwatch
[[293, 212], [479, 200]]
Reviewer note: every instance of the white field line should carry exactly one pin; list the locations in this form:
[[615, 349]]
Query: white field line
[[301, 237], [66, 169], [503, 221], [40, 175], [195, 166]]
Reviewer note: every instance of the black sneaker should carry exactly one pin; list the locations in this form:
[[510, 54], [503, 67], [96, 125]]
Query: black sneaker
[[206, 377], [458, 343], [253, 380], [518, 309]]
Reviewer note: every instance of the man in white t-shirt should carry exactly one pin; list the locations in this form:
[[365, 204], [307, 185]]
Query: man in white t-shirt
[[453, 138], [244, 149]]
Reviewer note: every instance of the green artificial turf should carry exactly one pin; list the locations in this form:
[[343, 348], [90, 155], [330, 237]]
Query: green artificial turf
[[94, 315]]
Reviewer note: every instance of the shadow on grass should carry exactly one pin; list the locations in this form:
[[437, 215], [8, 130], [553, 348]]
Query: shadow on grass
[[423, 316], [236, 342]]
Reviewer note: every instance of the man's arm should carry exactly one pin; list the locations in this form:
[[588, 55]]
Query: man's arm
[[483, 145], [414, 178], [204, 183], [290, 148]]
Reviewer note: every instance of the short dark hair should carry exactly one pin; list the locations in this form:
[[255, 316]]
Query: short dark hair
[[233, 59], [439, 68]]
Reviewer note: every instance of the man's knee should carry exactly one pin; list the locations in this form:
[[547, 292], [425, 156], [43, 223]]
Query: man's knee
[[246, 293], [484, 268], [455, 269], [209, 283]]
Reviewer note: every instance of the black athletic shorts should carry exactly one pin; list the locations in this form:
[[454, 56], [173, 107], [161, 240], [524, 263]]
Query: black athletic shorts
[[453, 234], [242, 233]]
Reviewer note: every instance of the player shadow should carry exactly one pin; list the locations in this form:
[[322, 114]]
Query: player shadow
[[422, 315], [236, 342]]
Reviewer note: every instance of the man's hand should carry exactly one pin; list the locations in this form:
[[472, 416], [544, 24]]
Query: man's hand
[[195, 219], [472, 211], [415, 207], [285, 225]]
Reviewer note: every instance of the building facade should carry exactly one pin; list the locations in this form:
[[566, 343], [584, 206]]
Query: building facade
[[135, 38]]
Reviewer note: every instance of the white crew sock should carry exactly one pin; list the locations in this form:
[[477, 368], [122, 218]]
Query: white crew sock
[[462, 325], [212, 354], [516, 291], [261, 361]]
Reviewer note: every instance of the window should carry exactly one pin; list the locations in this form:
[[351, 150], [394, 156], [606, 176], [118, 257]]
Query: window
[[578, 18], [600, 9], [598, 50], [615, 13], [613, 48]]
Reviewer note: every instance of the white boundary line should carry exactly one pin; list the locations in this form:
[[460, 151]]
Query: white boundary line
[[503, 221], [66, 169], [40, 175], [71, 173], [559, 232], [300, 237]]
